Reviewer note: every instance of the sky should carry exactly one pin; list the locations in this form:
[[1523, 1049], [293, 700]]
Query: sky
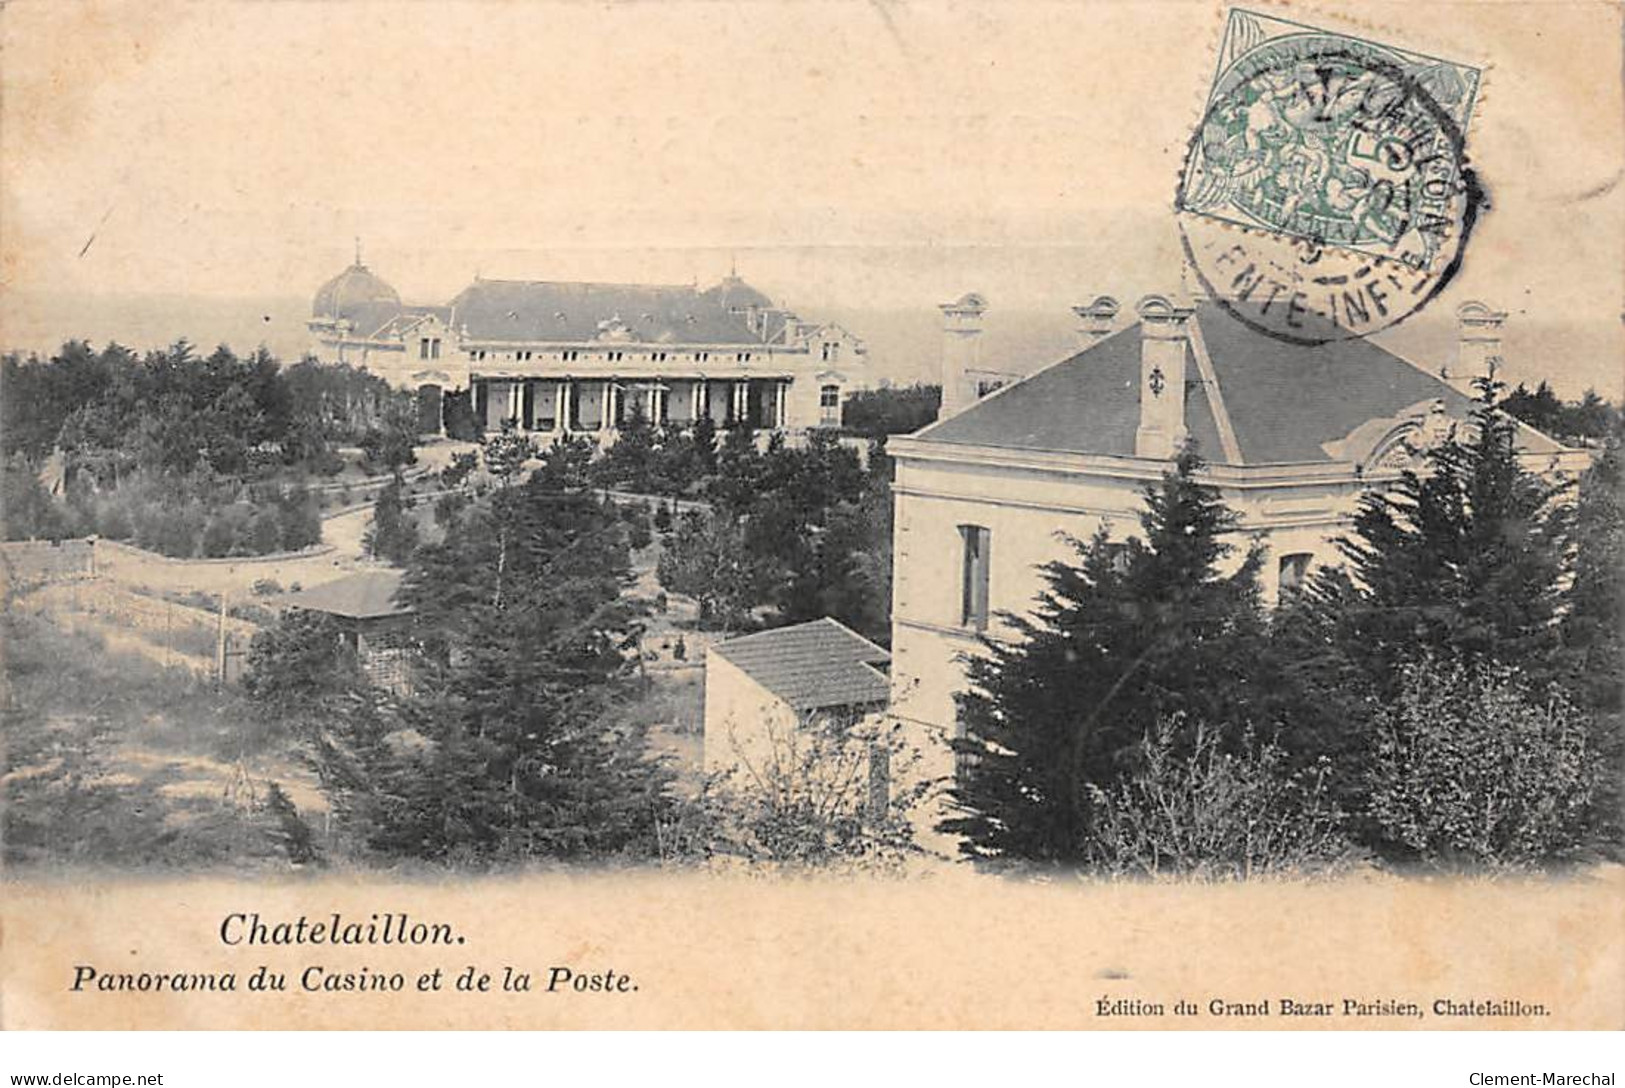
[[848, 156]]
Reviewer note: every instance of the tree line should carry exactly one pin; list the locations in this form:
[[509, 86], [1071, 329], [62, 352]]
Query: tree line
[[183, 453], [1448, 694]]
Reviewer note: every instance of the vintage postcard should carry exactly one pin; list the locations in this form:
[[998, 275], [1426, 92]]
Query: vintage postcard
[[910, 514]]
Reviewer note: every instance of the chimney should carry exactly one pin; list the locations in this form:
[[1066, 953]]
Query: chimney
[[1095, 320], [1478, 349], [1164, 337], [961, 341]]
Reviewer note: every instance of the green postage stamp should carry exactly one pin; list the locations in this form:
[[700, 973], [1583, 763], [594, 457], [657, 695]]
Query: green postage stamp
[[1326, 191]]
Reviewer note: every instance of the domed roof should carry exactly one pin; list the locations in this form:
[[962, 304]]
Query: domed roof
[[352, 292], [735, 294]]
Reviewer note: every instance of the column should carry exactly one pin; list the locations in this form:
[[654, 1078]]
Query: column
[[651, 405], [516, 401], [780, 399], [741, 393], [606, 405], [702, 401], [561, 406]]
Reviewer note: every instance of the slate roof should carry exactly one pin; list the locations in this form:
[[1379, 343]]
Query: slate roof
[[368, 594], [529, 311], [355, 286], [1284, 401], [812, 666]]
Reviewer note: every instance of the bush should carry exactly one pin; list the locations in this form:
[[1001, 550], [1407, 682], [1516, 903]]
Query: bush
[[266, 587], [113, 520], [817, 794], [1200, 812], [300, 520], [218, 538], [1469, 766], [264, 532]]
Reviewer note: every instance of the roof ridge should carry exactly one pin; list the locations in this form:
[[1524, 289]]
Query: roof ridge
[[1215, 401], [587, 283]]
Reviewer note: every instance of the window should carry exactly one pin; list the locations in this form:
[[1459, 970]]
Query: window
[[423, 348], [829, 404], [1294, 572], [988, 385], [1117, 556], [702, 356], [975, 541], [434, 348]]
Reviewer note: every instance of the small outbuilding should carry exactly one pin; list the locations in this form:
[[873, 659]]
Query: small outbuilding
[[371, 619], [773, 682]]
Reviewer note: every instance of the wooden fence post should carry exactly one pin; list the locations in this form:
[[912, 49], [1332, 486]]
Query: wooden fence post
[[220, 647]]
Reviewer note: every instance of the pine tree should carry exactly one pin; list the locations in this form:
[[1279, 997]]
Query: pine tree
[[393, 535], [1593, 630], [1131, 633], [505, 752], [1465, 558]]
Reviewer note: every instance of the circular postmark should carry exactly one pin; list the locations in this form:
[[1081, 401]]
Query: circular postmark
[[1326, 194]]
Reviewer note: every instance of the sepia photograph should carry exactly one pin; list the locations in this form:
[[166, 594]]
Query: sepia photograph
[[550, 514]]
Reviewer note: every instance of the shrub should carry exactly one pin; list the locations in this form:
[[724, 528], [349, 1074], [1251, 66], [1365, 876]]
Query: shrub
[[1468, 765], [1198, 811], [456, 473], [264, 532], [218, 537], [300, 521], [816, 794], [266, 587], [113, 520]]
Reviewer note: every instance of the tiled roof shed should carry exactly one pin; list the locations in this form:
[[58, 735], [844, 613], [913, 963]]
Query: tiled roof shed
[[812, 666], [368, 594]]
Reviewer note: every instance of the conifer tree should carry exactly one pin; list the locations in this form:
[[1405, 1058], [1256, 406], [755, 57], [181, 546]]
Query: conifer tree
[[1130, 633], [1464, 558], [393, 535], [1593, 630], [504, 751]]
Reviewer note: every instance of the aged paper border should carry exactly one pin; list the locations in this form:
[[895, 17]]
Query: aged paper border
[[953, 951]]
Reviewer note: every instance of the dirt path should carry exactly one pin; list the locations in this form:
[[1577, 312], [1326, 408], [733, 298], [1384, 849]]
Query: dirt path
[[140, 570]]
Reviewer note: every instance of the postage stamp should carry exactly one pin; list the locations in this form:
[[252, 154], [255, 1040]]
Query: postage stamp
[[1326, 192]]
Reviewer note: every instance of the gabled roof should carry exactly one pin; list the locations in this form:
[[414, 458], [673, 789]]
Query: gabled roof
[[530, 311], [1284, 403], [368, 594], [812, 666]]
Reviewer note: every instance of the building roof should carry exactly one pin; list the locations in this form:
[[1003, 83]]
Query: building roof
[[530, 311], [1284, 403], [812, 666], [365, 595], [735, 294], [352, 292]]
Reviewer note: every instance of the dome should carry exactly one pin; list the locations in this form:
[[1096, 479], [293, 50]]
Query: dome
[[350, 292], [735, 295]]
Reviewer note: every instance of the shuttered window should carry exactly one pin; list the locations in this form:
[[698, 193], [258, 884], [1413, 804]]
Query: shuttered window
[[975, 541]]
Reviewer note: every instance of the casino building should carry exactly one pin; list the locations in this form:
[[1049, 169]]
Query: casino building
[[581, 357]]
